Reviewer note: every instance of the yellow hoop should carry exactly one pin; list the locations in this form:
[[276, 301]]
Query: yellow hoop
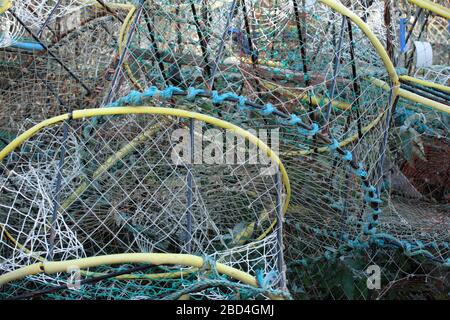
[[433, 7], [52, 267]]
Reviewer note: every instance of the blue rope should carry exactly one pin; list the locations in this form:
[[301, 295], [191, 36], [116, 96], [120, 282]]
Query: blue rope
[[134, 97]]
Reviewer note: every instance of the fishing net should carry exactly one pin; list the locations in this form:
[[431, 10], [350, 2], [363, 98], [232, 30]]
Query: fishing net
[[367, 173], [264, 67], [122, 187], [173, 277], [436, 74], [36, 13], [426, 27], [36, 85]]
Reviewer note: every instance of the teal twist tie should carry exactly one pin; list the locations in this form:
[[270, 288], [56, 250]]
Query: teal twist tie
[[312, 132], [333, 145], [294, 120], [242, 104], [220, 98], [360, 172], [374, 199], [151, 92], [192, 93], [268, 109], [169, 91], [347, 156]]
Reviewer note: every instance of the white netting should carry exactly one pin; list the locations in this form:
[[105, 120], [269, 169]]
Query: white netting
[[9, 30], [121, 191], [37, 84], [36, 12]]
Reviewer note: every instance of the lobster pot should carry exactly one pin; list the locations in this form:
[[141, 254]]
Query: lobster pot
[[35, 86], [35, 13], [126, 183]]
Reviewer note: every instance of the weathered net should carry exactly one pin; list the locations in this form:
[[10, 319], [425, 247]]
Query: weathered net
[[36, 13], [181, 277], [36, 86], [119, 187], [368, 170]]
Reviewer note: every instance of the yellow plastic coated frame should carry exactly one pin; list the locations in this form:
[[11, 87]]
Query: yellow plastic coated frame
[[414, 97], [339, 7], [124, 30], [425, 83], [52, 267], [331, 3], [5, 5], [433, 7]]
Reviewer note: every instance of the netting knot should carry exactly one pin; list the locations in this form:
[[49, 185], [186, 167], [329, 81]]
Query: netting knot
[[209, 265]]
